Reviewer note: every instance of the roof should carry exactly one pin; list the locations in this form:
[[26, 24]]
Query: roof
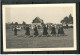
[[37, 20]]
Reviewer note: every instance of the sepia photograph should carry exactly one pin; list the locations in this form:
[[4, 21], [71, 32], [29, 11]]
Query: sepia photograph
[[39, 27]]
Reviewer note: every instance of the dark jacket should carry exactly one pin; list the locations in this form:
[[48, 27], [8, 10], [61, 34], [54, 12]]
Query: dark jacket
[[53, 30], [15, 31], [27, 31], [45, 31], [35, 31]]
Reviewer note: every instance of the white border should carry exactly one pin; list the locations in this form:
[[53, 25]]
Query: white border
[[39, 49]]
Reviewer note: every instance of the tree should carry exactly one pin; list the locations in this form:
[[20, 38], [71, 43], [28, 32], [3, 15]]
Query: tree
[[66, 20], [12, 23], [16, 23], [70, 19], [24, 23], [62, 21]]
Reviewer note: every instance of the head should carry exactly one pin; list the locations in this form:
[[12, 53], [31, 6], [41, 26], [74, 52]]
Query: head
[[59, 26], [53, 26], [35, 25], [44, 25]]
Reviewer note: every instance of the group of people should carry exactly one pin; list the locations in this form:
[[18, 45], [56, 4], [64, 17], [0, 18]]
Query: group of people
[[58, 32]]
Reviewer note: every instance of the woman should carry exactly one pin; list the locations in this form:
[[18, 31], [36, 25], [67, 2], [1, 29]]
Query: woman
[[62, 31], [53, 32], [45, 30], [35, 31], [15, 31], [27, 30], [59, 31]]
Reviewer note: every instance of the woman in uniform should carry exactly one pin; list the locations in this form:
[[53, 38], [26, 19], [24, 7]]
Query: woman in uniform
[[15, 31], [35, 31], [45, 30], [62, 31], [27, 30], [59, 30], [53, 32]]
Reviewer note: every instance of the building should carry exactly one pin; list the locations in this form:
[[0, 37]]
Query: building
[[37, 22]]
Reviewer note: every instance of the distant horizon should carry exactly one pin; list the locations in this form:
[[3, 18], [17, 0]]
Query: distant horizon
[[49, 14], [33, 19]]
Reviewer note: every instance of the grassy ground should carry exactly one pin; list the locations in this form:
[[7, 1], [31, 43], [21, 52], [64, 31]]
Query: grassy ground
[[23, 41]]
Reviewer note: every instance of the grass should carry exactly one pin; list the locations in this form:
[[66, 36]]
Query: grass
[[23, 41]]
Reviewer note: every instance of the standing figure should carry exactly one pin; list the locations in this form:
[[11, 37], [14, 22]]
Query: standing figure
[[27, 30], [45, 30], [15, 31], [53, 32], [35, 31], [12, 28], [67, 26], [61, 31]]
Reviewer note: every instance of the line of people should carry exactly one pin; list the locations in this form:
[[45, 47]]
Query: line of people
[[60, 31]]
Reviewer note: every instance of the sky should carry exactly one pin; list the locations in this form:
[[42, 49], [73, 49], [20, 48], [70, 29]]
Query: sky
[[50, 14]]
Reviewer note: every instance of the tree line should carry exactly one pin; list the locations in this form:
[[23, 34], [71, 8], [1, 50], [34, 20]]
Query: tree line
[[67, 20], [16, 23]]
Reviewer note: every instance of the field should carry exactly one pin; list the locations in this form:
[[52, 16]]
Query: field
[[23, 41]]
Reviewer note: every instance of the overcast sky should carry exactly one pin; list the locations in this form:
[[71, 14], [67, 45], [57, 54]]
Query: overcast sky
[[47, 14]]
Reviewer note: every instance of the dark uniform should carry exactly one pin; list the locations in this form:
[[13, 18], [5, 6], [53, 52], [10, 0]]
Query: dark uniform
[[45, 30], [67, 26], [15, 31], [27, 31], [53, 30], [59, 30], [62, 31], [12, 28], [35, 31]]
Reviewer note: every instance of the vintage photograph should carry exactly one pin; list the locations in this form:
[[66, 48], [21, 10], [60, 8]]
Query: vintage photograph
[[39, 27]]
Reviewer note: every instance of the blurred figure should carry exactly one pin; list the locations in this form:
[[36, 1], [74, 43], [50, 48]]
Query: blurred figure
[[53, 31], [35, 31], [61, 30], [27, 30], [12, 28], [45, 30], [67, 26], [15, 31]]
